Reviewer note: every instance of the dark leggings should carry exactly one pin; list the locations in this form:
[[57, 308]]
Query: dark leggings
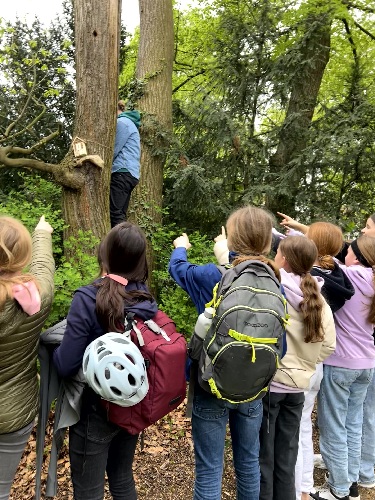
[[279, 435], [97, 446]]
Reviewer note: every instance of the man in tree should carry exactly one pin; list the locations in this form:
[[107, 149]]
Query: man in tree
[[126, 162]]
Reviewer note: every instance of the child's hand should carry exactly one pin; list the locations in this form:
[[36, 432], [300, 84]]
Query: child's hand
[[287, 221], [290, 223], [44, 225], [182, 241], [221, 236]]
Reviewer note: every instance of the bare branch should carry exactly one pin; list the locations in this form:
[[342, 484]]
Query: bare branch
[[23, 162], [28, 151], [350, 38], [29, 97], [64, 172], [30, 125]]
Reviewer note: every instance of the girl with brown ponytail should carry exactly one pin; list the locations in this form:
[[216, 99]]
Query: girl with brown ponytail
[[310, 339]]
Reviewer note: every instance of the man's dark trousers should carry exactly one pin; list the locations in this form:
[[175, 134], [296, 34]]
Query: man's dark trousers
[[122, 185]]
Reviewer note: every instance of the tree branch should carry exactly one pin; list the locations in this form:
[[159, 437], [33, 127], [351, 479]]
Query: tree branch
[[30, 125], [363, 8], [62, 172], [364, 30], [201, 72], [29, 97], [28, 151], [350, 38]]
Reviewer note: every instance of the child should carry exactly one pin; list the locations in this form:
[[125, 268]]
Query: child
[[96, 445], [310, 339], [347, 375], [336, 289], [25, 301], [249, 235]]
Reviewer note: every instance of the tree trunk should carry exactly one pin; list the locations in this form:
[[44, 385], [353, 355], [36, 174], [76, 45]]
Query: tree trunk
[[154, 67], [97, 40], [293, 136]]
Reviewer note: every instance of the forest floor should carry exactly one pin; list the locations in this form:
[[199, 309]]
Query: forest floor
[[163, 470]]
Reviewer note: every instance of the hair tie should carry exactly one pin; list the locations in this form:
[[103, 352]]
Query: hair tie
[[357, 252], [117, 278]]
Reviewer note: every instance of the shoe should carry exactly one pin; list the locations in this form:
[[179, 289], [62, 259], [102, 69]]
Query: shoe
[[328, 496], [366, 485], [318, 495], [353, 492]]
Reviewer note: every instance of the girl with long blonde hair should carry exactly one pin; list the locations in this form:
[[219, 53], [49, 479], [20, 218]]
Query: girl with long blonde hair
[[25, 301]]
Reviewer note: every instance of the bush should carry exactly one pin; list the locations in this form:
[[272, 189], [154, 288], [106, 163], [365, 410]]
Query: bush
[[37, 196], [80, 269]]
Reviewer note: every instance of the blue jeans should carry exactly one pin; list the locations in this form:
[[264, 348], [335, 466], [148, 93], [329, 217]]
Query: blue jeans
[[366, 471], [340, 414], [97, 446], [209, 420]]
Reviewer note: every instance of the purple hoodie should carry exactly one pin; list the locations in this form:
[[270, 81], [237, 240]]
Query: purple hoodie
[[354, 341]]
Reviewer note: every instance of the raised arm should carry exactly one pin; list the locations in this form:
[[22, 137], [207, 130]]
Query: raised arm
[[288, 222], [42, 263]]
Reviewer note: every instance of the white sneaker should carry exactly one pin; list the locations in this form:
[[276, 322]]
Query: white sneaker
[[319, 462], [366, 485], [327, 495]]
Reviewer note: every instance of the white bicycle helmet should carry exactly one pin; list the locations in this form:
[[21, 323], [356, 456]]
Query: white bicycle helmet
[[114, 368]]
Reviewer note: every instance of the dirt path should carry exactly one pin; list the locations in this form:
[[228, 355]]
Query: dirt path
[[164, 470]]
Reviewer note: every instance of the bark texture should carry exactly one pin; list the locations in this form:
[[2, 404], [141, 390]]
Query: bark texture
[[97, 57], [294, 132], [154, 66]]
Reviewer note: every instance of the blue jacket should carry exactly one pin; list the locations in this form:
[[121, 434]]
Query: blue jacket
[[83, 327], [127, 153], [198, 280]]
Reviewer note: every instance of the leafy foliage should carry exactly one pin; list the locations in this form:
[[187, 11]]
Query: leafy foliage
[[71, 273], [172, 299], [34, 197], [37, 87]]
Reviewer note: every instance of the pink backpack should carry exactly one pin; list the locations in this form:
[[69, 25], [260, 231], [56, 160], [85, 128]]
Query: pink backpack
[[165, 353]]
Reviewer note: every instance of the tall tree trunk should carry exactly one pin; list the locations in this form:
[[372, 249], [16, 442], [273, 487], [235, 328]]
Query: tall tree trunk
[[294, 132], [154, 67], [97, 40]]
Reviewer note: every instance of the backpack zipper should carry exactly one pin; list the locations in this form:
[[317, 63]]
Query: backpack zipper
[[241, 344], [280, 319]]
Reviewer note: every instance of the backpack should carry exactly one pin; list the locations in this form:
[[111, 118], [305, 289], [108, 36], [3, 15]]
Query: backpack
[[165, 352], [244, 343]]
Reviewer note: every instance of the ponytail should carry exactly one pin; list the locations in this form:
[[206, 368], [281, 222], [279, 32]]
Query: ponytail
[[111, 302], [311, 308], [301, 253], [326, 262]]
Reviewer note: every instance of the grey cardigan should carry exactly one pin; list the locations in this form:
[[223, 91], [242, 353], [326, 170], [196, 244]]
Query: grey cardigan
[[67, 410]]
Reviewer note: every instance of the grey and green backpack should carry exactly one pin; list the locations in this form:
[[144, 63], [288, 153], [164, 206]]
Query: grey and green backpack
[[244, 343]]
